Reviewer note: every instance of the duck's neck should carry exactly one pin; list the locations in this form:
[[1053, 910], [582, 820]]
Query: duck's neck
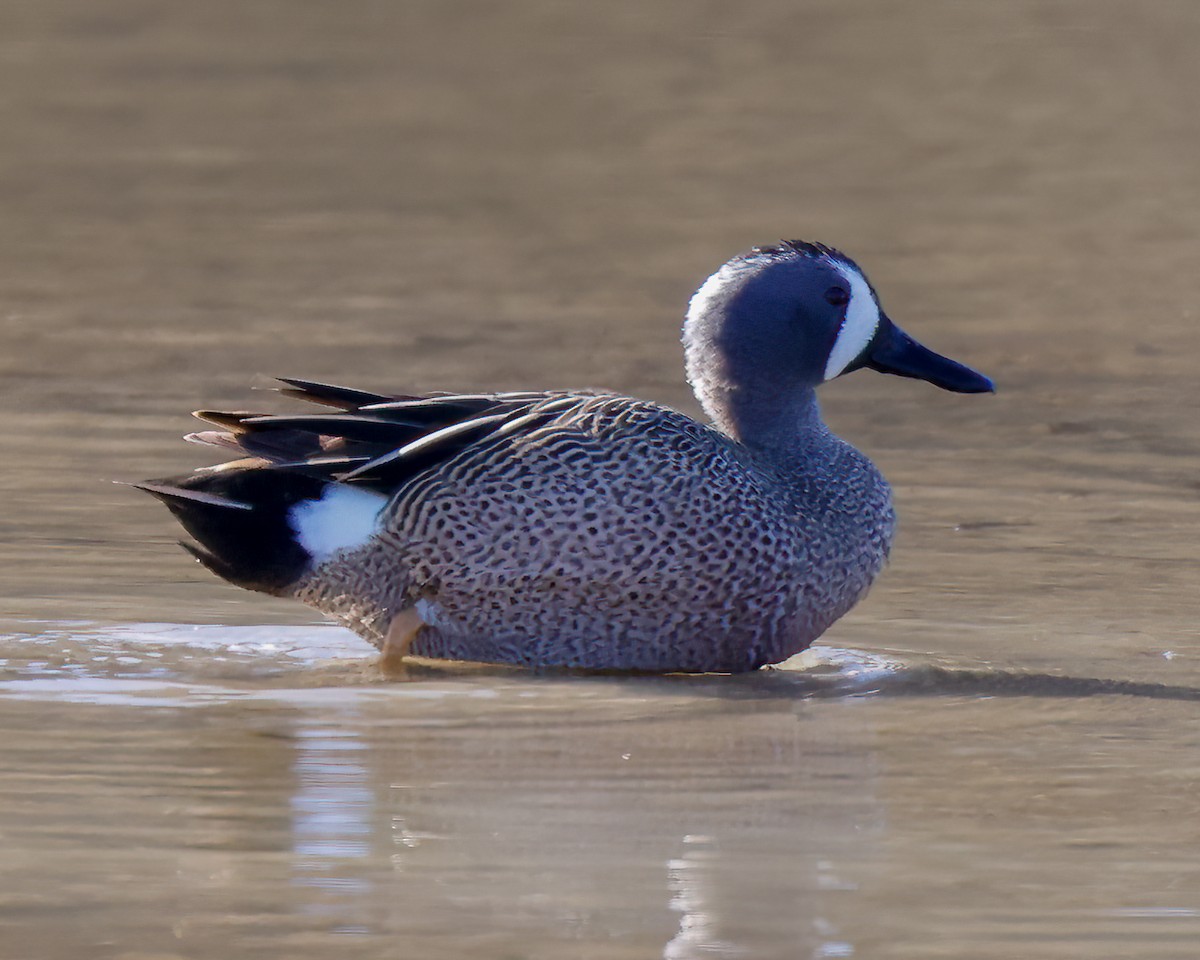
[[780, 422]]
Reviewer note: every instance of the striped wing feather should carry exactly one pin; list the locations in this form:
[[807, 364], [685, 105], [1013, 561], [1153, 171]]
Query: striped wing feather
[[373, 440]]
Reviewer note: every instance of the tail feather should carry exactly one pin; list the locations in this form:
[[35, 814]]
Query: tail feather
[[210, 561], [344, 398], [214, 438], [169, 492], [229, 419], [242, 520]]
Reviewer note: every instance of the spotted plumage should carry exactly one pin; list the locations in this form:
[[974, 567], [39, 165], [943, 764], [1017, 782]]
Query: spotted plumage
[[584, 530]]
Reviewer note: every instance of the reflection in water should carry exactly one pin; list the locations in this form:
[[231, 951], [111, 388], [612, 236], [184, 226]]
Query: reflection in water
[[333, 814], [418, 820], [697, 929]]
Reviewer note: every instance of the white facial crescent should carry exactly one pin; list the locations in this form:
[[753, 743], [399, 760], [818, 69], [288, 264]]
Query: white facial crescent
[[862, 320]]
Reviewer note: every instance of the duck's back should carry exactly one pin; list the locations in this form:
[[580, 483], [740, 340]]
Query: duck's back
[[621, 535]]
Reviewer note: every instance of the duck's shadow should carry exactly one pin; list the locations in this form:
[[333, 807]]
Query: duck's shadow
[[836, 674], [938, 681]]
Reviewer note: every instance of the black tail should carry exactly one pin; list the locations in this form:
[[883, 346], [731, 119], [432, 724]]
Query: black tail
[[239, 516]]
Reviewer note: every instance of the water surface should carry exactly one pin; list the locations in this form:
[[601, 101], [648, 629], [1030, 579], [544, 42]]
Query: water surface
[[992, 757]]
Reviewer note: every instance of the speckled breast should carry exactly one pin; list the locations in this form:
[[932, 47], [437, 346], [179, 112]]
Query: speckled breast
[[620, 536]]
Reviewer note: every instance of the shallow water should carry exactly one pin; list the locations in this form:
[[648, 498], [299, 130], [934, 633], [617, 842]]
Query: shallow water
[[994, 756]]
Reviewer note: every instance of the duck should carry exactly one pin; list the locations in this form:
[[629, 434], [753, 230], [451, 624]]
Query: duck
[[582, 529]]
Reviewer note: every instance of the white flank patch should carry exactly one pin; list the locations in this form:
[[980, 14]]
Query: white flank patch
[[862, 320], [343, 519]]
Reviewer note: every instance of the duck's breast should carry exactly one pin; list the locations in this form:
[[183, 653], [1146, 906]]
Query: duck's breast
[[620, 535]]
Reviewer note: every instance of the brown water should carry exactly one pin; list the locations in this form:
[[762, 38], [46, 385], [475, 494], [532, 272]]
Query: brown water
[[995, 756]]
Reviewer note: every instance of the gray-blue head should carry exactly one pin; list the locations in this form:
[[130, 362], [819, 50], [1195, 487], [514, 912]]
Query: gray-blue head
[[772, 324]]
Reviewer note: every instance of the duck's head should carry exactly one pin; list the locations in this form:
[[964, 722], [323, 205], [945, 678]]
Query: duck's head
[[772, 324]]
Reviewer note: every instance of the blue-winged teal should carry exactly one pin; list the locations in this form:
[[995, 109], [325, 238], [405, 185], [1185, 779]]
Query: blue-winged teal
[[579, 529]]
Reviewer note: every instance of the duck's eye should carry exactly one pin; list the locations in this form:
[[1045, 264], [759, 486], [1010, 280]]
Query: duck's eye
[[837, 296]]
